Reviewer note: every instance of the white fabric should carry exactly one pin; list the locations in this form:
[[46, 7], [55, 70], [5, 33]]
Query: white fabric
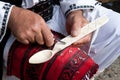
[[2, 13], [104, 48], [65, 4], [29, 3]]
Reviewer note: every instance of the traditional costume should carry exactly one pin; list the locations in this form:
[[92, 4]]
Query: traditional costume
[[102, 50]]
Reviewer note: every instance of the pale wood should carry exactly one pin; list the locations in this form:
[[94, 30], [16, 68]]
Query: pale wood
[[45, 55]]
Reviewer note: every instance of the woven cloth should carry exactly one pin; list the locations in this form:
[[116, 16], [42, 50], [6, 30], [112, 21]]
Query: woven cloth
[[72, 63]]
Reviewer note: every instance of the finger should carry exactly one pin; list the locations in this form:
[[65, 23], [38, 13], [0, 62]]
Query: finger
[[30, 36], [48, 36], [32, 39], [68, 26], [77, 24], [39, 38], [75, 28], [84, 40], [80, 42], [21, 38], [24, 41]]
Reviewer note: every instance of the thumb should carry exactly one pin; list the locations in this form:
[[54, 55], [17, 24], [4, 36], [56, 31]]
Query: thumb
[[84, 40], [75, 29]]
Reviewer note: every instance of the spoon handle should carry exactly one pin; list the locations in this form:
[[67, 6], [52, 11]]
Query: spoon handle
[[92, 26]]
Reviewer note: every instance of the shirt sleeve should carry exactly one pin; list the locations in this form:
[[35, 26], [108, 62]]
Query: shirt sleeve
[[70, 5], [5, 9]]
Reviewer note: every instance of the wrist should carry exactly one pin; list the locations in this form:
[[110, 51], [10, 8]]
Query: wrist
[[11, 16], [15, 12], [73, 13]]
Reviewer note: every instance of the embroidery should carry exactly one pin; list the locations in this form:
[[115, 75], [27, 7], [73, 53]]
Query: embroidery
[[44, 9], [98, 3], [79, 64], [71, 67], [6, 7], [74, 64], [74, 7]]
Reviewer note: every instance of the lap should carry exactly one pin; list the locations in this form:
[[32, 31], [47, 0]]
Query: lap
[[104, 38], [104, 47], [72, 63]]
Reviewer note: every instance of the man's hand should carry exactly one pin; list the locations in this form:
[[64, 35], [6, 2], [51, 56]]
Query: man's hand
[[75, 21], [29, 27]]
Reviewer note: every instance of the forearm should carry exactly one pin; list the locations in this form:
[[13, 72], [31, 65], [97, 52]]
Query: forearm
[[5, 10]]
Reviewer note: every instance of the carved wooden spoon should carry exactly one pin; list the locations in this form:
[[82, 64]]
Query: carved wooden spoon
[[45, 55]]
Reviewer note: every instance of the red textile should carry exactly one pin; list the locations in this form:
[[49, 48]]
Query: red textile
[[72, 63]]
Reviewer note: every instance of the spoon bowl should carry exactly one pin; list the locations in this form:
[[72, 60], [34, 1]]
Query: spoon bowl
[[41, 56]]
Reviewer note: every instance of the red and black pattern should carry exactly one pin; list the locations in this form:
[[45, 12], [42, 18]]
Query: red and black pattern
[[72, 63]]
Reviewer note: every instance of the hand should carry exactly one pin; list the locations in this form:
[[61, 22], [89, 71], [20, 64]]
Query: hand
[[75, 21], [29, 27]]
